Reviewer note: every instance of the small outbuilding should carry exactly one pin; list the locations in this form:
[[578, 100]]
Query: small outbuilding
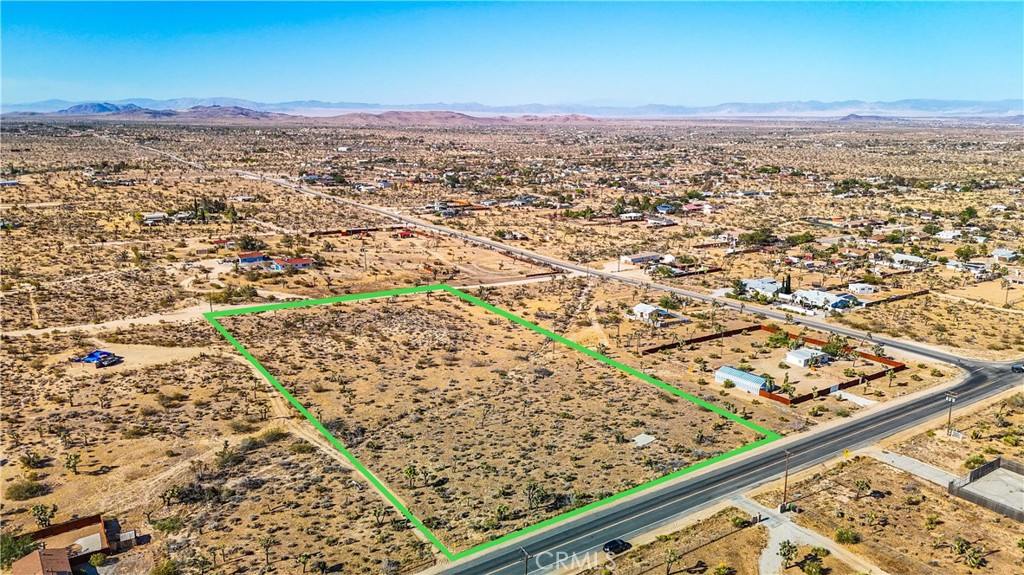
[[806, 357], [748, 382], [154, 218], [640, 258]]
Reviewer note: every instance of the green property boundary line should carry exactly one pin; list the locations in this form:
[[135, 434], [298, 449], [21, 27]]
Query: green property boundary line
[[212, 317]]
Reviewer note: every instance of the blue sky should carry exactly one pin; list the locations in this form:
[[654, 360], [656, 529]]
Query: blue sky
[[512, 53]]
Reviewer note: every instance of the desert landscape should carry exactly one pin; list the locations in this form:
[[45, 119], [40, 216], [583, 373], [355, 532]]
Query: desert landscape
[[119, 235]]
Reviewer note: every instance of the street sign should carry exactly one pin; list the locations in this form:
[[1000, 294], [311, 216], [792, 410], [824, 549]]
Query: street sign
[[846, 453]]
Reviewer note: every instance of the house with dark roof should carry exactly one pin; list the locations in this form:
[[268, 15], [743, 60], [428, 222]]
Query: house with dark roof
[[43, 562]]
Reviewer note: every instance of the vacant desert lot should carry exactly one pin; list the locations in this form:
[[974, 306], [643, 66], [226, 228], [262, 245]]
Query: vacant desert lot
[[905, 525], [713, 542], [185, 443], [480, 426], [962, 327], [997, 430]]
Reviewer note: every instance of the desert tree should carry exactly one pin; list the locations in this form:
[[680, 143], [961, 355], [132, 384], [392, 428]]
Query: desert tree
[[671, 557], [71, 461], [266, 542], [501, 512], [43, 514], [535, 494], [862, 485], [380, 513], [169, 495], [787, 551], [411, 473], [200, 563]]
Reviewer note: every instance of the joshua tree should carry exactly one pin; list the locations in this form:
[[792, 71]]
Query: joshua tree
[[535, 494], [411, 473], [380, 512], [43, 514], [200, 563], [862, 485], [266, 542], [501, 512], [169, 495], [303, 559], [31, 459], [670, 558], [420, 547], [71, 461], [426, 475], [787, 550]]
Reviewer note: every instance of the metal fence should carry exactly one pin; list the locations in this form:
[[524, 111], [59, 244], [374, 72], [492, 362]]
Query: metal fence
[[958, 487]]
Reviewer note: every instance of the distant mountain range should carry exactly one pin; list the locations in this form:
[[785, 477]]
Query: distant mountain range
[[921, 108], [216, 113]]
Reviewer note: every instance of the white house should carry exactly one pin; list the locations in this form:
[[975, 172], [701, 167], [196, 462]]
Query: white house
[[1004, 255], [643, 312], [823, 299], [806, 357], [766, 287], [861, 288], [656, 222], [948, 235], [908, 262], [656, 316], [631, 217]]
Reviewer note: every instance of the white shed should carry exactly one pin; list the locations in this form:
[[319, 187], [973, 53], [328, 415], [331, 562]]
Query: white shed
[[806, 357]]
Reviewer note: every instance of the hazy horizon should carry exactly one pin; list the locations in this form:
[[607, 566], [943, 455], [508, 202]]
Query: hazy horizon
[[505, 54]]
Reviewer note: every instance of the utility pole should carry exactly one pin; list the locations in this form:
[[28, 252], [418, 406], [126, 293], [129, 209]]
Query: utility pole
[[951, 399], [526, 561], [785, 484]]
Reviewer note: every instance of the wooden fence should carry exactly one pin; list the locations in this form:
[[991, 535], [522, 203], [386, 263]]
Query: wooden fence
[[891, 365]]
